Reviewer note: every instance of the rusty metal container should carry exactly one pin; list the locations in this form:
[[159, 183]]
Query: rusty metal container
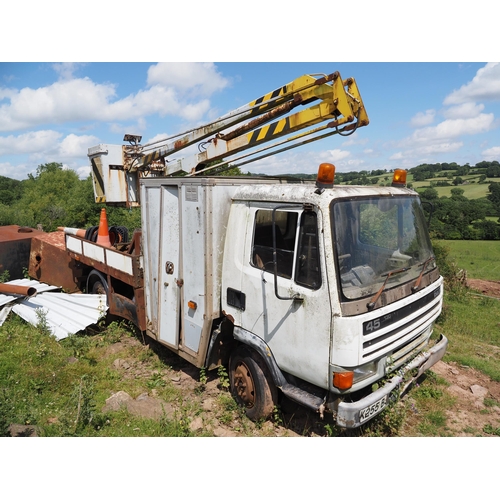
[[50, 263], [15, 244]]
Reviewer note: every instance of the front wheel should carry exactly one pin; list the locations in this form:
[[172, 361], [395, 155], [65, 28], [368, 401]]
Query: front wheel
[[251, 383]]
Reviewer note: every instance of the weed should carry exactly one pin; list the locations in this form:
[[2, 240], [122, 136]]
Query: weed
[[469, 430], [178, 427], [489, 429], [146, 354], [4, 276], [489, 402], [330, 430], [6, 413], [223, 377], [433, 423], [428, 392], [486, 302], [83, 405], [203, 376], [114, 331], [42, 350], [78, 345], [227, 402], [387, 423], [42, 324], [277, 416], [228, 408], [156, 380]]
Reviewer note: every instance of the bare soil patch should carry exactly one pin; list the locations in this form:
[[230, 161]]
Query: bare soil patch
[[477, 398], [487, 288]]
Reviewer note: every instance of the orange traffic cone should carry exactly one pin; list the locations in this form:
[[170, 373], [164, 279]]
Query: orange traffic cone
[[103, 233], [74, 231]]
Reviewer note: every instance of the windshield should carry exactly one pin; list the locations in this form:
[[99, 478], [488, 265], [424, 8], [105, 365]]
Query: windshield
[[379, 240]]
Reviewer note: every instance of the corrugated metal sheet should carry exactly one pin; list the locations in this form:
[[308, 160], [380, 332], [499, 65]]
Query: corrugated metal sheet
[[63, 313]]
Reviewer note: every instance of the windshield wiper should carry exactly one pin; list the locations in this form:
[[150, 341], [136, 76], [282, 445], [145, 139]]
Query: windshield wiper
[[371, 304], [415, 287]]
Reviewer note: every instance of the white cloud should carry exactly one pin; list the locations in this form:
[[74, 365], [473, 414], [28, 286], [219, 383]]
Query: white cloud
[[29, 143], [491, 154], [443, 147], [6, 93], [184, 77], [334, 155], [19, 171], [75, 146], [355, 140], [396, 156], [45, 146], [423, 119], [157, 138], [465, 110], [83, 172], [179, 89], [449, 129], [60, 102], [484, 86], [66, 70]]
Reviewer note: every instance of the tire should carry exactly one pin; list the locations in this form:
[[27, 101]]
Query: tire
[[91, 233], [96, 284], [251, 384]]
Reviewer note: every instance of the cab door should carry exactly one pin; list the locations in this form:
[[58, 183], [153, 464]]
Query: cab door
[[283, 293]]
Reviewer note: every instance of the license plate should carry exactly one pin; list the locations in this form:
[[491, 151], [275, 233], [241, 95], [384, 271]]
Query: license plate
[[372, 410]]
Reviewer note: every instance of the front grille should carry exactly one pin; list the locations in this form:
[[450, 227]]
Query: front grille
[[387, 340]]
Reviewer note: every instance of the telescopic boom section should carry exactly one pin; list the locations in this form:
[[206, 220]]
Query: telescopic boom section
[[307, 109], [266, 119]]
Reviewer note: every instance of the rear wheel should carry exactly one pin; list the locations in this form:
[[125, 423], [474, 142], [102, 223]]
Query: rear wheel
[[251, 383], [97, 284]]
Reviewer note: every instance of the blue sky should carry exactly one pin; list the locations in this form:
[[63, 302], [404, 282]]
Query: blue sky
[[419, 112]]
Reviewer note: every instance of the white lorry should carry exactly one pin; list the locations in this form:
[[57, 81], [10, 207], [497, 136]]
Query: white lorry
[[325, 294]]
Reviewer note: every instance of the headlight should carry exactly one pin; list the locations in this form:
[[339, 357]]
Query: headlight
[[344, 379], [364, 371]]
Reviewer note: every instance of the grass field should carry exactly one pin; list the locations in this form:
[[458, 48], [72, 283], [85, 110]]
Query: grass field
[[481, 259], [473, 191]]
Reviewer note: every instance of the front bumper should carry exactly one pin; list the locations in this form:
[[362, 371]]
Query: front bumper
[[352, 415]]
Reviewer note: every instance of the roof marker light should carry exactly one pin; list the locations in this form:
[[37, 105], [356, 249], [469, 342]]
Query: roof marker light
[[325, 177], [399, 178]]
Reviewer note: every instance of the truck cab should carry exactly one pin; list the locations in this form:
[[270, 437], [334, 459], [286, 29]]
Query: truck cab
[[335, 289]]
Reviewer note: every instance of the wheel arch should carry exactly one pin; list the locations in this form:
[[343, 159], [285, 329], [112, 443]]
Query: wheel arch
[[260, 346]]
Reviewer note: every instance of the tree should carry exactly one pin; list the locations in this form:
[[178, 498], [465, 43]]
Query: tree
[[494, 196], [10, 190], [458, 194], [493, 171], [430, 194], [49, 193]]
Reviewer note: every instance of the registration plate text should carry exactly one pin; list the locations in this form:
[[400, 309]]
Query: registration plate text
[[372, 410]]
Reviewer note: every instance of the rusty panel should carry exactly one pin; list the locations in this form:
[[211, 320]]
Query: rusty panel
[[15, 243], [50, 263]]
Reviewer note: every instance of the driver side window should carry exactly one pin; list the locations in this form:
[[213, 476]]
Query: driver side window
[[306, 271], [263, 240]]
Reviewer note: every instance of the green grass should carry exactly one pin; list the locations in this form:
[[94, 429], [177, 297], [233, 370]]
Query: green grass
[[471, 325], [61, 386], [473, 191], [481, 259]]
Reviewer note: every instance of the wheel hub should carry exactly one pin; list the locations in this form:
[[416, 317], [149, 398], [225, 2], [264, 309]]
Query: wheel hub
[[243, 383]]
